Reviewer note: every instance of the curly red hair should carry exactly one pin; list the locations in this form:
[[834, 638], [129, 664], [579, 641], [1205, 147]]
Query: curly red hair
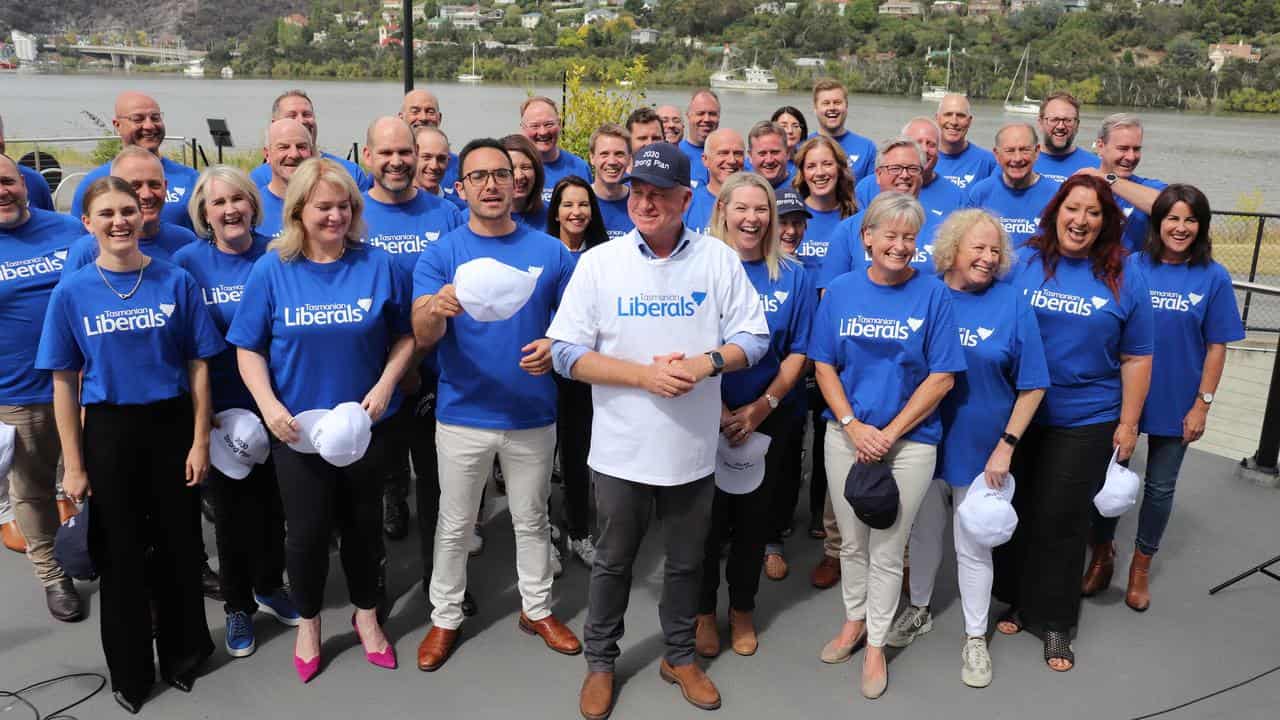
[[1106, 254]]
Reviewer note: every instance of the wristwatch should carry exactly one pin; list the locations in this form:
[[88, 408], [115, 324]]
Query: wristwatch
[[773, 401], [844, 421], [1206, 398], [1009, 438], [717, 362], [1111, 178]]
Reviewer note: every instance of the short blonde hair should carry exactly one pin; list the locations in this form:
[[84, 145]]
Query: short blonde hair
[[946, 242], [773, 255], [303, 183], [888, 207], [234, 177]]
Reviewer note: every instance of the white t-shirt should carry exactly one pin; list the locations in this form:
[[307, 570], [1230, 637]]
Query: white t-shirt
[[626, 305]]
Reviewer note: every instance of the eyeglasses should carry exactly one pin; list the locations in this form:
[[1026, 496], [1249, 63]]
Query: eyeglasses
[[908, 170], [1068, 121], [139, 118], [540, 127], [501, 176]]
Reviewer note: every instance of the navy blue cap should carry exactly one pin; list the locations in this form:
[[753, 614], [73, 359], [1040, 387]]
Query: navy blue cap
[[873, 494], [789, 201], [661, 164], [71, 546]]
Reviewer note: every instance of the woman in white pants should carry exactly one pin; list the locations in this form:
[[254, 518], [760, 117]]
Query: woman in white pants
[[982, 418], [885, 349]]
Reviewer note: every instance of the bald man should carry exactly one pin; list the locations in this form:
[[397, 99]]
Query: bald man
[[540, 122], [139, 122], [288, 145], [959, 160], [297, 105], [672, 123], [38, 195], [421, 108], [1017, 194], [938, 196], [723, 154], [704, 119]]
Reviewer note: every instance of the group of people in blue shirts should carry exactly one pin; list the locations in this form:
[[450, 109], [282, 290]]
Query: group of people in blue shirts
[[946, 344]]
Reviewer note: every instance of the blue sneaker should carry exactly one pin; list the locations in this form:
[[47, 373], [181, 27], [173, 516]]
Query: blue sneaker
[[240, 641], [278, 605]]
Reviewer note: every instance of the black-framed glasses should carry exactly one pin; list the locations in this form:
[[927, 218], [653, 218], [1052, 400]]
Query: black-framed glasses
[[1068, 121], [501, 176], [908, 170], [139, 118]]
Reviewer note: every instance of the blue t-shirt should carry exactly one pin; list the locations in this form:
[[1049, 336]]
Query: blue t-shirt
[[1061, 167], [884, 340], [1018, 210], [1085, 330], [1194, 307], [698, 174], [261, 175], [1003, 355], [31, 261], [968, 166], [168, 240], [565, 165], [813, 248], [481, 382], [789, 303], [846, 251], [134, 351], [1136, 221], [272, 220], [939, 197], [405, 230], [179, 180], [617, 222], [698, 217], [221, 277], [448, 184], [861, 152], [38, 195], [325, 328]]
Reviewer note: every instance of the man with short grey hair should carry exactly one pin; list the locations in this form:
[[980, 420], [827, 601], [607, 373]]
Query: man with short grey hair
[[723, 154], [296, 105], [938, 198], [1120, 150], [959, 160], [1018, 194]]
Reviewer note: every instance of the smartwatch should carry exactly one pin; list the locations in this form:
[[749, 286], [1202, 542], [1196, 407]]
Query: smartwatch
[[773, 401], [1009, 438], [717, 362], [1111, 178]]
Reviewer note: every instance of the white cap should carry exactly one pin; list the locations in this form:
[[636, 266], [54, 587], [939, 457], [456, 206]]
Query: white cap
[[987, 515], [306, 422], [238, 443], [342, 435], [7, 436], [490, 290], [1120, 492], [739, 470]]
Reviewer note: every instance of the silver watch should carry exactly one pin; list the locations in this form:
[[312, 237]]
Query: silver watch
[[844, 421], [1207, 398], [773, 401]]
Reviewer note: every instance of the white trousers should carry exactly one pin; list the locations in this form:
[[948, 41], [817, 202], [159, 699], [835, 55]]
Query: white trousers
[[973, 562], [466, 460], [871, 560]]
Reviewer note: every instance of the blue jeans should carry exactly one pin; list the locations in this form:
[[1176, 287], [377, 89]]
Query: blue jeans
[[1164, 460]]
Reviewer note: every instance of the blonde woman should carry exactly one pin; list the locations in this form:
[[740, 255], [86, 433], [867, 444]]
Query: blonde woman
[[746, 219], [330, 325]]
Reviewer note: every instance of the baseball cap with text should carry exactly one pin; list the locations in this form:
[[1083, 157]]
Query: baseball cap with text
[[661, 164]]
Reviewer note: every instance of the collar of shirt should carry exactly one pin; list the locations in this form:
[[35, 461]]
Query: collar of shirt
[[686, 237]]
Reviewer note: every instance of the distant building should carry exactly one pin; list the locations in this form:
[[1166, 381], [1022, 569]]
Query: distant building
[[769, 8], [1075, 5], [644, 36], [985, 8], [24, 46], [1219, 53], [902, 8], [530, 20], [319, 37], [599, 15], [467, 16], [809, 62], [946, 7], [296, 20]]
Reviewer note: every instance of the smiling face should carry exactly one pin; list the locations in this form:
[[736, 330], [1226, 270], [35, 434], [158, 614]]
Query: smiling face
[[794, 130], [433, 160], [723, 155], [791, 229], [146, 175], [657, 211], [892, 245], [832, 109], [672, 123], [288, 144], [746, 214], [300, 109], [926, 136], [491, 199], [1121, 152], [229, 212], [326, 216], [138, 121], [646, 134], [704, 117], [610, 159], [1016, 152], [421, 109], [392, 156], [13, 195], [977, 256], [1178, 230], [574, 212], [115, 221], [769, 157], [899, 170], [523, 170], [954, 118], [541, 125], [1079, 222], [1059, 123], [820, 171]]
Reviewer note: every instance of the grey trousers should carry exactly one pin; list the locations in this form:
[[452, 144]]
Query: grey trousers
[[622, 515]]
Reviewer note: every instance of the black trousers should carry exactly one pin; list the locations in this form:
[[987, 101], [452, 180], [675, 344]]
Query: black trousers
[[136, 458], [786, 491], [419, 428], [248, 521], [320, 498], [1038, 571], [818, 478], [750, 517], [573, 431]]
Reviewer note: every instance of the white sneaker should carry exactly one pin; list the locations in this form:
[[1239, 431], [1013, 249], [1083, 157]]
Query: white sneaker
[[585, 549], [475, 545], [976, 672], [915, 621], [557, 567]]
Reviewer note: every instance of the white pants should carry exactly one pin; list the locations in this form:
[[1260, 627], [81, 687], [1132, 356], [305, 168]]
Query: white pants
[[466, 459], [6, 510], [871, 560], [973, 562]]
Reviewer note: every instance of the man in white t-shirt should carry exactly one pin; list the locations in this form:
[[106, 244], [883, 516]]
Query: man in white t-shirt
[[650, 320]]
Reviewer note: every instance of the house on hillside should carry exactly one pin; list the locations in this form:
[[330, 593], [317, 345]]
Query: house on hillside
[[644, 36], [297, 20], [1219, 53], [599, 15], [985, 8], [902, 8], [946, 7], [530, 20]]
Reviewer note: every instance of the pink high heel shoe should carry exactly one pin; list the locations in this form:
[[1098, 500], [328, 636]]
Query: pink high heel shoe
[[385, 659], [306, 669]]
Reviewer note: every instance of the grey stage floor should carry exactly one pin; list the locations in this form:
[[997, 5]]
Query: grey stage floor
[[1128, 665]]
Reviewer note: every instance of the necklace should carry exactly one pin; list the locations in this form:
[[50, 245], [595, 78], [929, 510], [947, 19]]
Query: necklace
[[341, 251], [123, 296]]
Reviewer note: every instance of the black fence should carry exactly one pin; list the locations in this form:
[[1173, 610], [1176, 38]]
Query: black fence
[[1248, 244]]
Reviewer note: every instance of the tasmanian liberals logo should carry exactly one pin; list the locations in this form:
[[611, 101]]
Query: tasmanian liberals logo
[[403, 243], [971, 338], [874, 328], [174, 194], [1174, 302], [133, 319], [50, 264], [1054, 301], [660, 306], [812, 248], [773, 301], [1020, 226], [327, 313], [222, 294]]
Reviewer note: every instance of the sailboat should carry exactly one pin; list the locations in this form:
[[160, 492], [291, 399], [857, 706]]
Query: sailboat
[[471, 77], [1028, 106], [753, 77], [935, 93]]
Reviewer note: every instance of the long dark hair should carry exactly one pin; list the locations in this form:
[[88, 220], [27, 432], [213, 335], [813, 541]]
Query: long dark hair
[[521, 144], [1201, 250], [795, 113], [595, 233], [1106, 254]]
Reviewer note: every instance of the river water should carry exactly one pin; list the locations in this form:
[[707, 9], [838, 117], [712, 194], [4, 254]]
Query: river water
[[1229, 156]]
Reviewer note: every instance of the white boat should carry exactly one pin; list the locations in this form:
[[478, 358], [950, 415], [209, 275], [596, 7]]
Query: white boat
[[194, 69], [752, 77], [227, 73], [471, 77], [1028, 106], [935, 93]]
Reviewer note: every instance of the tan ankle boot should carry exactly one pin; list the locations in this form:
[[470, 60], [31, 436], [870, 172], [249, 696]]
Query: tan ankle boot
[[1138, 596], [706, 636], [742, 633], [1098, 577]]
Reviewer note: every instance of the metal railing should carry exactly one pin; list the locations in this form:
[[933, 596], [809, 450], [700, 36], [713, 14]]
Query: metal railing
[[1264, 460], [1248, 244]]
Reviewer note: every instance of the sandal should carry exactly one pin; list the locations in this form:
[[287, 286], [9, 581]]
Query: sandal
[[1010, 623], [1058, 647]]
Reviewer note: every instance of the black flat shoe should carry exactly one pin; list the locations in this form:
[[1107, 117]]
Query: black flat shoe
[[129, 706], [183, 681], [469, 607]]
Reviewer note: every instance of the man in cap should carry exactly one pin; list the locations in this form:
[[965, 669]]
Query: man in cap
[[651, 320], [1018, 194], [723, 155], [959, 160], [296, 105]]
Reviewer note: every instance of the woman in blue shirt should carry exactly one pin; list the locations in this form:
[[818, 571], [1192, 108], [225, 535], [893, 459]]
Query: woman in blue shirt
[[127, 338], [1096, 324], [746, 219], [982, 417], [247, 516], [526, 167], [329, 324], [1196, 311], [886, 352]]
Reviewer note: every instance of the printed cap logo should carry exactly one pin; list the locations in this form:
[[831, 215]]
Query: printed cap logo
[[1098, 301], [782, 295], [984, 333], [915, 323], [698, 297], [365, 303], [167, 309], [1195, 299]]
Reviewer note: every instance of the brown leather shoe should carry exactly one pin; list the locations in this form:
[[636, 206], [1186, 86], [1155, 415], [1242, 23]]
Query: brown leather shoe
[[13, 538], [775, 566], [827, 573], [1138, 596], [1098, 577], [694, 684], [435, 648], [596, 700], [554, 633], [66, 509], [742, 632], [706, 636]]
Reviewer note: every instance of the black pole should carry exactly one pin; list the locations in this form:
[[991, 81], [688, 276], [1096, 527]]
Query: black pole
[[1269, 441], [564, 95], [406, 36]]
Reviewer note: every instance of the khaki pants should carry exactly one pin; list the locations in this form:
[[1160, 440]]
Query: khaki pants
[[33, 483]]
